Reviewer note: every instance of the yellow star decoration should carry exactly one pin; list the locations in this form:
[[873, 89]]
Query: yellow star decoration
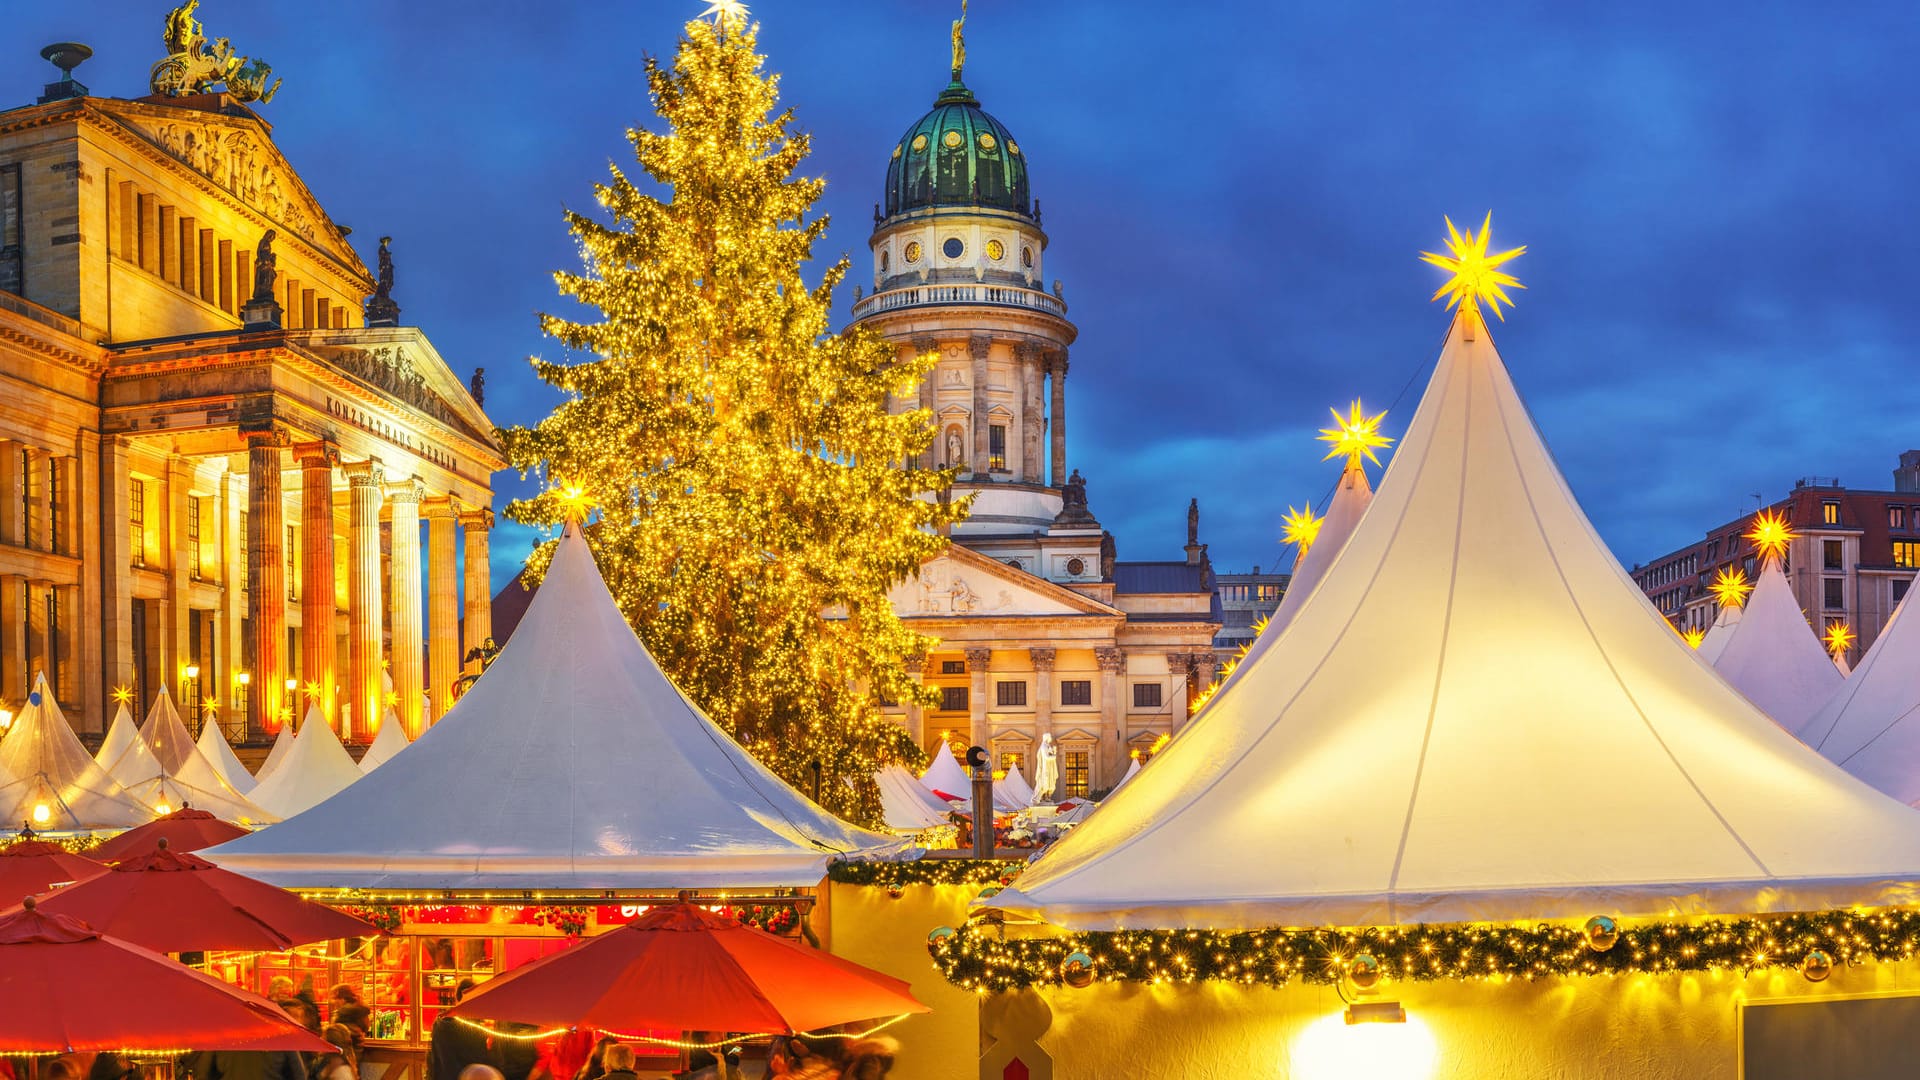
[[1730, 587], [1300, 527], [311, 690], [211, 705], [122, 694], [1771, 534], [1839, 638], [727, 14], [1693, 637], [574, 499], [1477, 275], [1355, 436]]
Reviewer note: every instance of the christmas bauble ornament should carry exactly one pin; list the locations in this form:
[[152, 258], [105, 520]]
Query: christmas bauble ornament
[[1364, 971], [1601, 932], [1816, 966], [940, 934], [895, 892], [1077, 970]]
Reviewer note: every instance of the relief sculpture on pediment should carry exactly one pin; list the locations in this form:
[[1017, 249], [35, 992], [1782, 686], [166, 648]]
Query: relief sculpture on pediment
[[236, 161], [390, 370]]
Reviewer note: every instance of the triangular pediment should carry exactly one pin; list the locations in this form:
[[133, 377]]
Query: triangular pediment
[[235, 153], [962, 583], [401, 363]]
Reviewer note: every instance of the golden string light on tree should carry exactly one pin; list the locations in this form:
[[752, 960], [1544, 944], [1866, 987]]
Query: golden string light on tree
[[1771, 534], [1730, 587], [1476, 277], [1354, 436], [754, 498]]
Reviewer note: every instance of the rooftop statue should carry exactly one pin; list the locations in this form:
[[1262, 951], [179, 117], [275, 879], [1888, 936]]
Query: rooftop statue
[[960, 41], [192, 66]]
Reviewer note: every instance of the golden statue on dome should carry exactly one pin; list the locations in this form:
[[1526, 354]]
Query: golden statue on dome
[[960, 41], [192, 66]]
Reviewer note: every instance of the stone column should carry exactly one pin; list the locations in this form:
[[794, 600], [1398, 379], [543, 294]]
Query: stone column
[[979, 662], [15, 678], [176, 608], [364, 482], [266, 585], [443, 605], [1042, 691], [1113, 713], [115, 560], [1032, 405], [317, 461], [475, 525], [978, 346], [408, 642], [39, 634], [12, 494], [916, 712], [931, 458], [231, 642], [1059, 422]]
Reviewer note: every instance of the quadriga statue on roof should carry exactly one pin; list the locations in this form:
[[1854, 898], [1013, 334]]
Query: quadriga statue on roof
[[191, 66]]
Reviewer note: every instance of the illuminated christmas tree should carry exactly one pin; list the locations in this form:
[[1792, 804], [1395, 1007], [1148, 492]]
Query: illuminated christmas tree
[[757, 500]]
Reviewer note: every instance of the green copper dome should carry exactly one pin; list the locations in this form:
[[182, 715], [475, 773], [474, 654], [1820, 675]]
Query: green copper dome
[[958, 156]]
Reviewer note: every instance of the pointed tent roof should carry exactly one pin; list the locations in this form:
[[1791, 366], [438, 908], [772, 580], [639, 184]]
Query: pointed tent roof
[[1473, 689], [1133, 770], [121, 734], [163, 730], [1774, 657], [277, 753], [909, 807], [42, 764], [572, 763], [1012, 792], [213, 747], [1719, 634], [315, 769], [945, 773], [1871, 725], [390, 741], [164, 769]]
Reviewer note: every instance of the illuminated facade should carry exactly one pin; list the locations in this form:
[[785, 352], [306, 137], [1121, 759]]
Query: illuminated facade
[[214, 478], [1042, 630]]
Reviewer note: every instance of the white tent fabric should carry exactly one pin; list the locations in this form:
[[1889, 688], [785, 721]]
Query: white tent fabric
[[1719, 634], [1774, 657], [1133, 770], [1351, 498], [48, 780], [908, 807], [315, 769], [572, 763], [277, 753], [391, 739], [1871, 725], [946, 774], [1840, 664], [145, 774], [213, 747], [121, 734], [1012, 793], [1476, 716]]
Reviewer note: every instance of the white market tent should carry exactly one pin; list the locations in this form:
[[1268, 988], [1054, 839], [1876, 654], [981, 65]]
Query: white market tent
[[48, 780], [1871, 725], [190, 781], [1476, 716], [277, 753], [1774, 657], [1719, 634], [213, 747], [946, 774], [1012, 793], [572, 763], [315, 769], [1133, 770], [121, 734], [391, 739], [908, 807]]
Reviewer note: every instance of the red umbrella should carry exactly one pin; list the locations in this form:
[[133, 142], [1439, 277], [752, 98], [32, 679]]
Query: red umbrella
[[186, 829], [34, 866], [65, 988], [175, 902], [683, 968]]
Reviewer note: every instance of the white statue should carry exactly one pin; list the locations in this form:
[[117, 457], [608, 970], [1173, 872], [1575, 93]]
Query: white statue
[[1046, 774]]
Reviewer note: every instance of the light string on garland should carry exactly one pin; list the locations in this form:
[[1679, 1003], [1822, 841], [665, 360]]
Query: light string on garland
[[978, 957], [896, 875]]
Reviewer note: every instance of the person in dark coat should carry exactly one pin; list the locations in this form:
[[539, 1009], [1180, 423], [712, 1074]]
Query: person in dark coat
[[247, 1065], [453, 1045]]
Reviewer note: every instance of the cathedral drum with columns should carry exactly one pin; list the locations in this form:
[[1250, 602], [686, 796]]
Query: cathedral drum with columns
[[1042, 631], [219, 447]]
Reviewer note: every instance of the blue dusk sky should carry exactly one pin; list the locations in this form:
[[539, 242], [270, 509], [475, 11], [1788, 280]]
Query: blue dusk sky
[[1718, 202]]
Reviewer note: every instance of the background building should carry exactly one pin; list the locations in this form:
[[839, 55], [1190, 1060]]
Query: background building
[[1245, 599], [215, 472], [1853, 560]]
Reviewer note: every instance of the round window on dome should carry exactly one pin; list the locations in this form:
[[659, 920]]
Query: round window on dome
[[951, 139], [1026, 257], [953, 248], [1076, 567], [987, 141], [913, 251], [919, 143], [995, 250]]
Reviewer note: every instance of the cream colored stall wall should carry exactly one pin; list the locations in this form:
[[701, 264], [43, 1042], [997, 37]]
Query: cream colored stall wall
[[869, 928]]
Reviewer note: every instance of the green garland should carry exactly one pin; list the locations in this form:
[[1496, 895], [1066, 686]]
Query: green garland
[[978, 957], [897, 875]]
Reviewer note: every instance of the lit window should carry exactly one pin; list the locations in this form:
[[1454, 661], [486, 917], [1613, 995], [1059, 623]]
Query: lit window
[[1830, 513], [1010, 693], [1146, 695], [953, 699], [1906, 553], [1076, 692], [1074, 772], [953, 667], [997, 447], [1013, 759], [137, 520], [1269, 594], [193, 535]]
